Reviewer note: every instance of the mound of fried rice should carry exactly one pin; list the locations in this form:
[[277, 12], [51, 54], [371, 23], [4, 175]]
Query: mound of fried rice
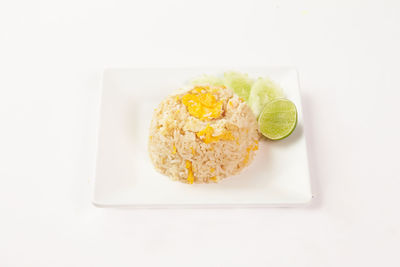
[[202, 135]]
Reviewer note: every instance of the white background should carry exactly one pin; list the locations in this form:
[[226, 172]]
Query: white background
[[51, 57]]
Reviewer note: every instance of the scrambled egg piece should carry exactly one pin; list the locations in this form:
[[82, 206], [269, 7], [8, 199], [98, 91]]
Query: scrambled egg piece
[[207, 137], [193, 151], [214, 178], [248, 149], [174, 149], [190, 177], [201, 104]]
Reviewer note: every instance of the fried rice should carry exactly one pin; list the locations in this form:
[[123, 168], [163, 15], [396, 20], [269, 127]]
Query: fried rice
[[202, 135]]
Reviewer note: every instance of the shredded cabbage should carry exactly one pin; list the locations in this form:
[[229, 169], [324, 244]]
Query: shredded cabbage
[[263, 91], [240, 83], [206, 79]]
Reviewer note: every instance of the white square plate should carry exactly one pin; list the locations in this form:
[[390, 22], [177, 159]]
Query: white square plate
[[125, 177]]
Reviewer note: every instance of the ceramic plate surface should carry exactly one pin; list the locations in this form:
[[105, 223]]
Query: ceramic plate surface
[[125, 177]]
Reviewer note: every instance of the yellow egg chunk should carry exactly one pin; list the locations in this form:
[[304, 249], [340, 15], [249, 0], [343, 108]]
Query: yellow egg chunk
[[190, 177], [202, 104], [207, 137], [214, 178], [248, 149]]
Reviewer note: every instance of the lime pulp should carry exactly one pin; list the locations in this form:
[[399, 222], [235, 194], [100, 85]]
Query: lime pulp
[[278, 119]]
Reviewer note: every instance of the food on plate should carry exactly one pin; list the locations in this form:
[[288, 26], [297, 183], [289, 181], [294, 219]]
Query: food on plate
[[240, 83], [203, 135], [278, 119], [263, 91], [210, 130], [207, 79]]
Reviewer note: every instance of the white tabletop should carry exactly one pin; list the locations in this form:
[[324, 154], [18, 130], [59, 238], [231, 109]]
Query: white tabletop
[[51, 57]]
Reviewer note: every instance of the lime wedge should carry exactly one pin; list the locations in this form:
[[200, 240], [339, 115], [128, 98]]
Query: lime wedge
[[278, 119], [208, 80], [263, 91], [240, 83]]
